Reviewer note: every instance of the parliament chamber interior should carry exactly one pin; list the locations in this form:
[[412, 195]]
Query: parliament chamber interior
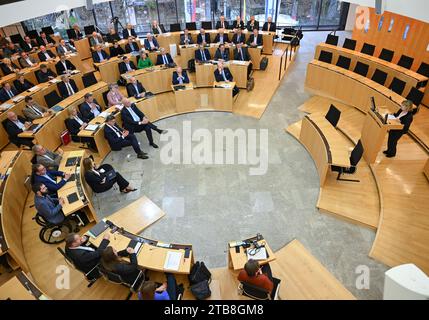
[[214, 150]]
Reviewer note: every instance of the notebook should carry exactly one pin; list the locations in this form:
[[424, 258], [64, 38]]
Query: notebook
[[91, 127], [57, 108], [98, 229], [172, 260], [261, 254], [72, 197], [136, 245]]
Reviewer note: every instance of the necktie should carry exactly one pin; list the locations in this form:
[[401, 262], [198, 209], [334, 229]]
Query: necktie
[[10, 93], [95, 111], [223, 25], [137, 88], [241, 55], [203, 55], [223, 74], [151, 45], [36, 110], [238, 38], [180, 79], [69, 88], [65, 66], [164, 58], [30, 46], [47, 55], [254, 39], [100, 55], [133, 114], [221, 39], [128, 66]]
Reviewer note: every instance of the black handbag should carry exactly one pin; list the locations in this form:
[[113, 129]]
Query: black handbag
[[110, 175], [199, 272], [201, 290]]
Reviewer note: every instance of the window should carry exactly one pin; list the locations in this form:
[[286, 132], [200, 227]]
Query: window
[[104, 16], [330, 13], [228, 8], [84, 17], [194, 10], [254, 8], [167, 12]]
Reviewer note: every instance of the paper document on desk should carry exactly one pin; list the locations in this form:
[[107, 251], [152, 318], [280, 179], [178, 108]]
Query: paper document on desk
[[225, 85], [35, 88], [91, 127], [242, 63], [391, 117], [172, 261], [260, 255], [103, 114], [54, 81], [18, 98], [6, 106]]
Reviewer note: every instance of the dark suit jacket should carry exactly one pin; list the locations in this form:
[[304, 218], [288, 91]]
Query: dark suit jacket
[[219, 77], [235, 38], [6, 70], [76, 35], [112, 37], [131, 90], [72, 125], [159, 60], [218, 26], [258, 40], [86, 260], [60, 67], [4, 96], [43, 77], [198, 55], [96, 58], [155, 30], [405, 120], [272, 27], [12, 130], [206, 38], [255, 25], [125, 34], [219, 55], [127, 271], [21, 87], [127, 119], [116, 51], [147, 45], [182, 39], [123, 67], [85, 109], [184, 74], [94, 180], [42, 57], [26, 47], [63, 89], [246, 56], [115, 142], [235, 25], [217, 38], [52, 187], [42, 43], [133, 47]]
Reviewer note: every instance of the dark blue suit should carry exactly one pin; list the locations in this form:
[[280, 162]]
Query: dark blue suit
[[4, 96], [199, 56], [117, 143], [147, 45], [133, 126], [85, 109], [96, 57], [206, 38], [176, 76], [52, 186]]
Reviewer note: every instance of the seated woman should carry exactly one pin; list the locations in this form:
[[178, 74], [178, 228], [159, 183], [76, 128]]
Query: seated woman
[[144, 61], [21, 84], [102, 178], [257, 276], [111, 261], [114, 96], [167, 291]]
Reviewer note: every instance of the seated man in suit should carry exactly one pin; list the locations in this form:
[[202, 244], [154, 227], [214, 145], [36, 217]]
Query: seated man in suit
[[74, 123], [64, 48], [164, 58], [48, 177], [223, 74], [222, 53], [99, 55], [14, 126], [21, 84], [76, 34], [186, 38], [135, 88], [119, 138], [222, 24], [90, 108], [269, 25], [238, 23], [113, 36], [96, 39], [49, 159], [252, 24], [221, 37], [8, 92], [238, 36], [203, 37], [116, 50], [45, 74], [255, 39], [257, 276], [135, 121], [8, 67], [126, 65], [85, 257], [29, 45], [11, 50], [26, 61], [241, 53], [150, 43], [180, 76], [64, 66], [132, 46], [202, 54], [45, 40], [129, 32], [33, 110], [157, 28], [67, 87], [45, 55]]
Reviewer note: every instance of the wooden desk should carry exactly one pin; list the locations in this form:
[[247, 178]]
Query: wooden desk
[[237, 260], [156, 79], [20, 287], [205, 73], [83, 48], [426, 169], [40, 121], [109, 70]]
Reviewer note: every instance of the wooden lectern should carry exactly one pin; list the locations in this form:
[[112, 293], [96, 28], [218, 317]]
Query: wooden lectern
[[374, 131]]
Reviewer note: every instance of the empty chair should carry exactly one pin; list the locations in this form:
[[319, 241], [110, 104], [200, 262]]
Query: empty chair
[[89, 30], [355, 157], [344, 62], [33, 34], [333, 115], [16, 38], [386, 54], [349, 44], [361, 68], [48, 30], [332, 39], [325, 56], [368, 49], [206, 25], [191, 26], [52, 99], [416, 96], [379, 77], [405, 61], [397, 86], [89, 79], [423, 69], [175, 27]]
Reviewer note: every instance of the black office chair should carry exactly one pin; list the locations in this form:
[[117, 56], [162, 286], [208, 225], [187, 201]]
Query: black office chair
[[349, 44], [361, 68], [33, 34], [325, 56], [52, 99], [368, 49], [405, 61], [207, 25], [416, 96], [48, 30], [344, 62], [379, 77], [91, 276], [16, 38], [174, 27], [117, 279], [191, 26], [51, 233], [423, 69], [397, 86], [70, 33], [332, 39], [333, 115], [355, 157], [386, 54], [104, 94], [89, 30], [89, 79], [258, 293]]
